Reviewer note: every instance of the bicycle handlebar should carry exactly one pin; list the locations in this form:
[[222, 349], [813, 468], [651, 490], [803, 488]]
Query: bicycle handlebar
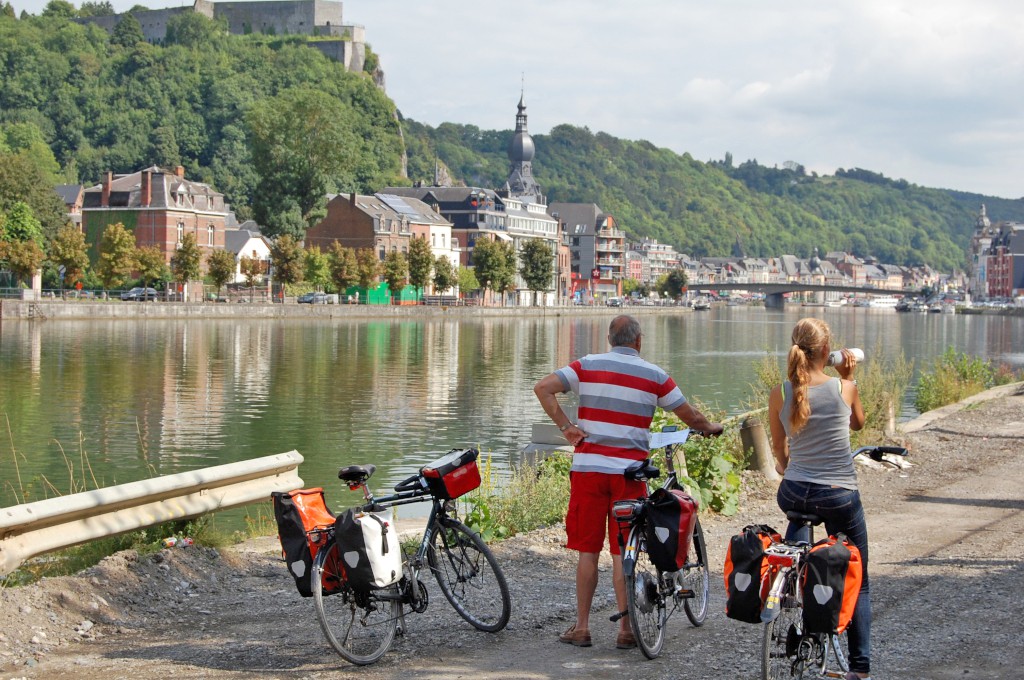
[[410, 484], [876, 452]]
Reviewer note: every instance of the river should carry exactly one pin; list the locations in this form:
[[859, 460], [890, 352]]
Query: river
[[104, 402]]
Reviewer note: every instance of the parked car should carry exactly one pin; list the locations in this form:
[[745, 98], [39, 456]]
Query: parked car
[[614, 302], [315, 298], [140, 294]]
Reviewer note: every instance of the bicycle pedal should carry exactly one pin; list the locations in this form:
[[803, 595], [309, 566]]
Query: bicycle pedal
[[686, 593]]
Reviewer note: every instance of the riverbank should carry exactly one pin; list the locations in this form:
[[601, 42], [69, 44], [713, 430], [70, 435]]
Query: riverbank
[[945, 567], [55, 310]]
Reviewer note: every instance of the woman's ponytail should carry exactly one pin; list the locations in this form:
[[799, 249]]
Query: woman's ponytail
[[799, 375], [809, 339]]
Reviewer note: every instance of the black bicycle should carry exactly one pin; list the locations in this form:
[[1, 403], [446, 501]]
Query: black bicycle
[[361, 625], [653, 595], [787, 651]]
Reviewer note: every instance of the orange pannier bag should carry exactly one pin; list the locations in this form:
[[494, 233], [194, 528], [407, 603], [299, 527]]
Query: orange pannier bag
[[303, 520], [832, 574], [746, 572]]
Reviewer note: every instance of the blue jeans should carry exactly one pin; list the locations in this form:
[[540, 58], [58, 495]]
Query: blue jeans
[[843, 513]]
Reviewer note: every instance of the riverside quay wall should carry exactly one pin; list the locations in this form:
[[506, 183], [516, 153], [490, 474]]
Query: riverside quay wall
[[57, 310]]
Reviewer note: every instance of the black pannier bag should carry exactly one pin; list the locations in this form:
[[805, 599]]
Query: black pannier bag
[[368, 549], [832, 573], [746, 572], [453, 474], [302, 520], [671, 516]]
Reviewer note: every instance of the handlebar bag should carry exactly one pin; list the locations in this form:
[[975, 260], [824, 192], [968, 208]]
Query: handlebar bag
[[452, 475], [671, 516], [747, 572], [368, 549], [831, 585], [302, 522]]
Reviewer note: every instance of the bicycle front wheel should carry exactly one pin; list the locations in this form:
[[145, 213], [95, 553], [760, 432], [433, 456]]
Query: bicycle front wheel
[[779, 653], [696, 578], [360, 626], [469, 576], [645, 601]]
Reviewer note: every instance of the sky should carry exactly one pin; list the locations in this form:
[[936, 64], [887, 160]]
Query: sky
[[931, 91]]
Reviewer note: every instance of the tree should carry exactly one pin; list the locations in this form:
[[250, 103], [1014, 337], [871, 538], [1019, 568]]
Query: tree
[[24, 178], [252, 270], [24, 258], [286, 258], [152, 266], [536, 265], [490, 264], [96, 9], [316, 267], [396, 272], [301, 144], [421, 261], [445, 276], [68, 250], [467, 280], [60, 8], [118, 256], [128, 32], [7, 10], [673, 283], [192, 29], [220, 266], [369, 268], [344, 266], [186, 263], [21, 225]]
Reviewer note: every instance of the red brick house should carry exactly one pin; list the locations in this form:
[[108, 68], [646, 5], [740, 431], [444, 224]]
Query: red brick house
[[159, 206]]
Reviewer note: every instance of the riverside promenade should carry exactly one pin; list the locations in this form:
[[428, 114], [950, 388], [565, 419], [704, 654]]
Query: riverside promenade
[[116, 309], [946, 573]]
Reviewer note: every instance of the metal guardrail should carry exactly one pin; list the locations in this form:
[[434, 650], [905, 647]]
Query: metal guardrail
[[35, 528]]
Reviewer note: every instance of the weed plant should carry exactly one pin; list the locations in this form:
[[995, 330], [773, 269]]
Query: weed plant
[[955, 376]]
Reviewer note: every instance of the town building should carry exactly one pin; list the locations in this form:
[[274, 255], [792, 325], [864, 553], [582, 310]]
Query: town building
[[159, 207], [73, 196], [1006, 262], [247, 241]]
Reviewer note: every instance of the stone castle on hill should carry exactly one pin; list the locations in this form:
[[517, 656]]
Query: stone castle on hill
[[345, 44]]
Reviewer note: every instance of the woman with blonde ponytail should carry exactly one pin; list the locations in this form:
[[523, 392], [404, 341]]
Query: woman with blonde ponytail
[[810, 416]]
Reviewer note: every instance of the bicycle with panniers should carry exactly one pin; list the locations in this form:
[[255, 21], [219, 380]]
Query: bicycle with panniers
[[807, 590], [664, 556], [354, 567]]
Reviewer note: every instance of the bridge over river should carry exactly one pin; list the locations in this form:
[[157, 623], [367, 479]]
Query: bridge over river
[[774, 292]]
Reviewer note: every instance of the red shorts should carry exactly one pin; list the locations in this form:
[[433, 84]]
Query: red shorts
[[590, 519]]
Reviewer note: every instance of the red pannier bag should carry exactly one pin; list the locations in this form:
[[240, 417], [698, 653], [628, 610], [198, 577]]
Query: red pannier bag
[[747, 572], [831, 584], [303, 519], [454, 474], [671, 516]]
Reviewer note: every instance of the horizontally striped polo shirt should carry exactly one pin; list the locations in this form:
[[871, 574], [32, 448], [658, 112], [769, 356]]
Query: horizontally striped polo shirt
[[618, 394]]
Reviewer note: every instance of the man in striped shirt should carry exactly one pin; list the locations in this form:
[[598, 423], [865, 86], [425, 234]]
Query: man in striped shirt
[[618, 395]]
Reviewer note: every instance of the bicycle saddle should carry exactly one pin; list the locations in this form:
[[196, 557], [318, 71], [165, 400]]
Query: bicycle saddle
[[356, 474], [641, 470], [804, 518]]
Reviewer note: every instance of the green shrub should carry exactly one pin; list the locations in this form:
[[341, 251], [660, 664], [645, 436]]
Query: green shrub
[[955, 376], [532, 497]]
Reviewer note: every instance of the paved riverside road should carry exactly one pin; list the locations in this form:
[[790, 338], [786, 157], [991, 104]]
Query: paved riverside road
[[946, 576]]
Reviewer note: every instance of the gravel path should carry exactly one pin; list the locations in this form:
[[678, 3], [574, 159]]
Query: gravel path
[[946, 570]]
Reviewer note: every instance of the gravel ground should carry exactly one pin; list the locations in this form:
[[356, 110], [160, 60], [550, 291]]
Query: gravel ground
[[945, 567]]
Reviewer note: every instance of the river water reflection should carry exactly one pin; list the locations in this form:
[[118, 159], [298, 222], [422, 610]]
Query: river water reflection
[[123, 400]]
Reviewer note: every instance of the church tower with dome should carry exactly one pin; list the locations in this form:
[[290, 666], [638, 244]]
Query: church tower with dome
[[521, 150]]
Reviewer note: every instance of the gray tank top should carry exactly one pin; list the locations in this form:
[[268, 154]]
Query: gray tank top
[[820, 452]]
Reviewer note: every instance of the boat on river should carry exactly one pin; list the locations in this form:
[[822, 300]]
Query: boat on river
[[883, 302]]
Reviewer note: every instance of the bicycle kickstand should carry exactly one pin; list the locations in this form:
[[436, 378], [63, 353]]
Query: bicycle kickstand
[[615, 617]]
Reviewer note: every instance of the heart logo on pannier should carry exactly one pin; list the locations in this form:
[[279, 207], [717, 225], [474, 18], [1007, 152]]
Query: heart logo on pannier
[[352, 558], [298, 568], [822, 593], [741, 581], [661, 533]]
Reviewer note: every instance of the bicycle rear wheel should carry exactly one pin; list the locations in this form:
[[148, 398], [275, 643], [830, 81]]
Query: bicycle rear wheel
[[779, 659], [645, 601], [696, 578], [360, 626], [469, 576]]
